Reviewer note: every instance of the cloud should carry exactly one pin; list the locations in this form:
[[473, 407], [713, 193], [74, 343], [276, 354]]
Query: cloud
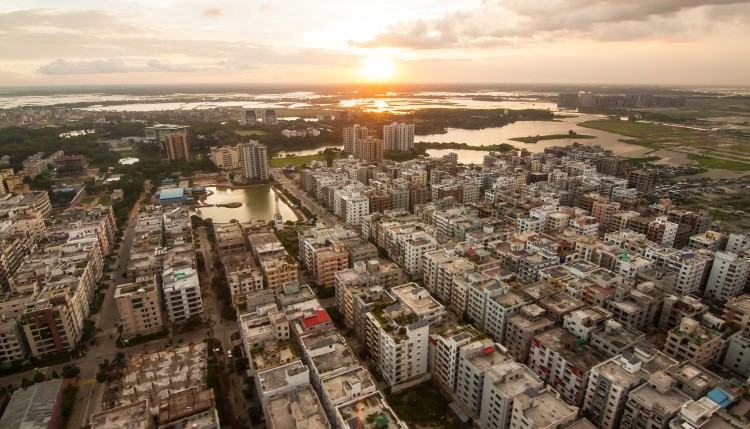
[[62, 67], [213, 12], [522, 22], [163, 66], [267, 7]]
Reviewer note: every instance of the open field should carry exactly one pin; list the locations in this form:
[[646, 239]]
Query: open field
[[252, 132], [725, 164], [295, 161], [633, 129], [421, 406]]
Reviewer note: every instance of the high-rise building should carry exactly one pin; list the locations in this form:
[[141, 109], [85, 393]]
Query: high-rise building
[[70, 165], [368, 149], [728, 275], [139, 305], [158, 132], [249, 117], [269, 116], [177, 146], [398, 136], [253, 160], [352, 135], [503, 383]]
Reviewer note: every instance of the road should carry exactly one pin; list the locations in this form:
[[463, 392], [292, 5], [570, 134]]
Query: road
[[322, 214]]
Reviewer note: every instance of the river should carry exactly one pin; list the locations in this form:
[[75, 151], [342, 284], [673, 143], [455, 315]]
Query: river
[[257, 203]]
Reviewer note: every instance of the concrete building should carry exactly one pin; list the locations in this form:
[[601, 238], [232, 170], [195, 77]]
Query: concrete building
[[139, 305], [351, 414], [676, 308], [611, 381], [70, 166], [226, 157], [642, 180], [253, 160], [356, 205], [298, 408], [182, 293], [159, 132], [564, 361], [278, 271], [345, 387], [503, 383], [328, 261], [243, 277], [177, 146], [368, 149], [653, 404], [541, 409], [400, 340], [728, 276], [522, 327], [737, 357], [737, 242], [694, 342], [35, 407], [475, 360], [230, 238], [398, 136], [352, 135], [137, 414]]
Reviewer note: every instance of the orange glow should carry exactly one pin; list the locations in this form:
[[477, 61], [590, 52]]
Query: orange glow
[[378, 67]]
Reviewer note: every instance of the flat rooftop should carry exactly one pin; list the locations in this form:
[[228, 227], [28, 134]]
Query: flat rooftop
[[33, 407], [370, 405], [416, 298], [669, 402], [582, 356], [299, 408], [156, 375], [561, 303], [277, 378], [548, 409], [130, 416], [338, 385], [339, 356], [512, 386]]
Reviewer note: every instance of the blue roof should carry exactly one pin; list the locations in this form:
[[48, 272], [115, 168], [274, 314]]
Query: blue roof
[[720, 398], [171, 194]]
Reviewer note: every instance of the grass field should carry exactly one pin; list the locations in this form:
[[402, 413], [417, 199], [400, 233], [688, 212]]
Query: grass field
[[87, 200], [534, 139], [295, 161], [634, 129], [251, 132], [104, 200], [421, 405], [710, 162]]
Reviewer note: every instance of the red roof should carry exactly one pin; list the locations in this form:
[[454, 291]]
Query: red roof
[[321, 316]]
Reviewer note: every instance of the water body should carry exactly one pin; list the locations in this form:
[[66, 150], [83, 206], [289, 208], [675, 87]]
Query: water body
[[498, 135], [258, 202]]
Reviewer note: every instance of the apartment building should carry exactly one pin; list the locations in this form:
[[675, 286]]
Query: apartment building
[[177, 146], [278, 271], [691, 266], [653, 404], [611, 381], [400, 340], [352, 135], [345, 387], [563, 361], [676, 308], [491, 304], [139, 306], [694, 342], [475, 359], [445, 349], [225, 157], [419, 302], [522, 327], [398, 136], [728, 276], [182, 293], [299, 407], [615, 338], [243, 276], [253, 160], [328, 261], [230, 238], [503, 383], [350, 415], [541, 409]]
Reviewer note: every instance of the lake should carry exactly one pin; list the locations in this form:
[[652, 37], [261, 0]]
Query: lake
[[257, 203], [498, 135]]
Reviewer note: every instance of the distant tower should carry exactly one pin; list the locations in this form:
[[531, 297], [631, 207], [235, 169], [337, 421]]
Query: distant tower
[[278, 221]]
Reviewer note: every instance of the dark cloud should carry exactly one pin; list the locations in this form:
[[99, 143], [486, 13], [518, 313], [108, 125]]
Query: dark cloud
[[111, 65], [520, 22], [213, 12]]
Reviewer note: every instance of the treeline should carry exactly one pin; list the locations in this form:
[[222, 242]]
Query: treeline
[[21, 142]]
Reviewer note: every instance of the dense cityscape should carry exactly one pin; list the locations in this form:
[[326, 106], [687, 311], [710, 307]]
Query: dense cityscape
[[250, 267]]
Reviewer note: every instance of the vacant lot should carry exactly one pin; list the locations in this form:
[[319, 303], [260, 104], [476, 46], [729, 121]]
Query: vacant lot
[[295, 161], [421, 406]]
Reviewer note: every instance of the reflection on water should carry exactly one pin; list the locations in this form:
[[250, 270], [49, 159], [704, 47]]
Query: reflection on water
[[257, 203], [498, 135]]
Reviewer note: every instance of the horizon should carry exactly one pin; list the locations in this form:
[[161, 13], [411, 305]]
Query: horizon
[[479, 42]]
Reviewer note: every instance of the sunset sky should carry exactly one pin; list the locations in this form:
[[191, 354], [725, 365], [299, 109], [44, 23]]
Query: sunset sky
[[326, 41]]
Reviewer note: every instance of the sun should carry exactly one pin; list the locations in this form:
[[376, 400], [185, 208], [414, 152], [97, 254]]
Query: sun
[[378, 67]]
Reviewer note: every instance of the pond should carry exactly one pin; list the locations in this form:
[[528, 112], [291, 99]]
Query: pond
[[258, 202]]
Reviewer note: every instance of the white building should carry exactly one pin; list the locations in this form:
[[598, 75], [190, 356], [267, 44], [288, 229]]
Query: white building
[[475, 360], [253, 160], [503, 383], [356, 205], [226, 157], [543, 409], [728, 275], [352, 135], [182, 293]]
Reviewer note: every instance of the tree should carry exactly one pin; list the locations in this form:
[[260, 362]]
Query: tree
[[39, 377], [193, 321], [70, 371]]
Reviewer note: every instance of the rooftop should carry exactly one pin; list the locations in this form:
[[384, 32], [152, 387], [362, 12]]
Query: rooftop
[[370, 407], [131, 416], [337, 353], [485, 354], [339, 386], [668, 402], [570, 348], [547, 409], [33, 407], [298, 409], [277, 378]]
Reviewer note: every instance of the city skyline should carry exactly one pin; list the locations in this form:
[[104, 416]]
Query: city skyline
[[228, 42]]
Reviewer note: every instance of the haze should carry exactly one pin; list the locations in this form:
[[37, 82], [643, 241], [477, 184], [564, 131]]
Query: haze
[[258, 42]]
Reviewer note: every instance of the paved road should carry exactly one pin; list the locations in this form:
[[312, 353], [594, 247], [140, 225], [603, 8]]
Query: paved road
[[323, 215]]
